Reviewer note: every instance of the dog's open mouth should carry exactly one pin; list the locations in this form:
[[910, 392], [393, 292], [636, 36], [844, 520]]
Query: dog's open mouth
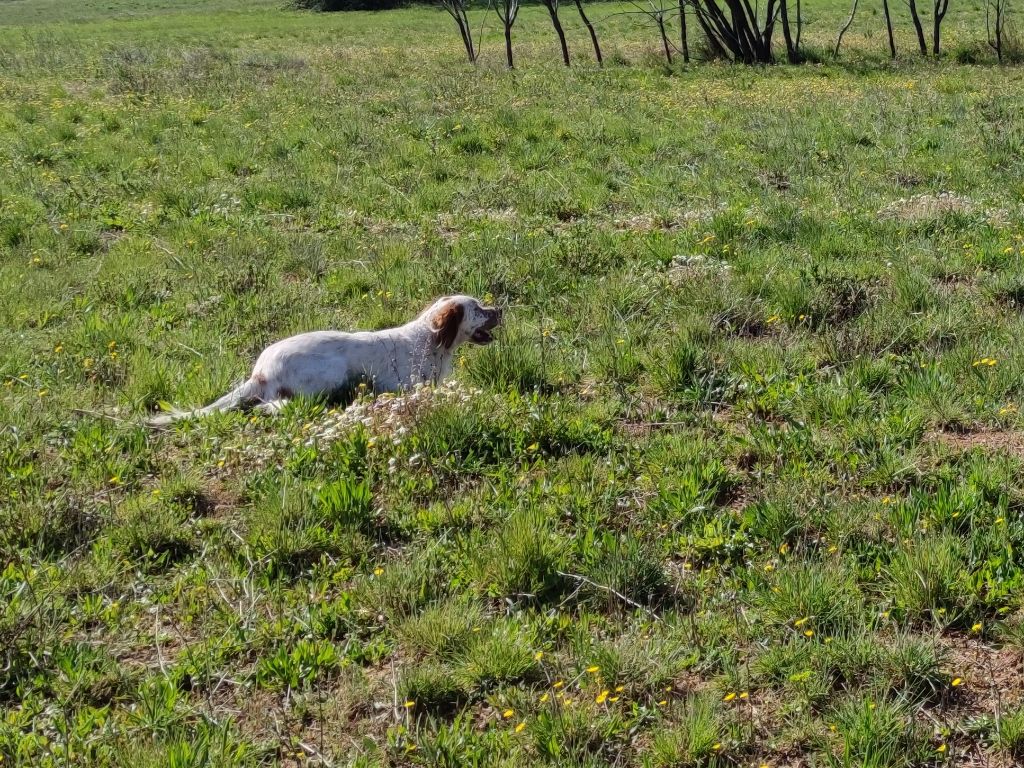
[[483, 334]]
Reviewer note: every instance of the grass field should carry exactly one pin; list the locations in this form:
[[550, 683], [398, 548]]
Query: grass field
[[739, 484]]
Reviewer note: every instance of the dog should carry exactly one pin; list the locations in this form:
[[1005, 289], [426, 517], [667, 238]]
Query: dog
[[333, 363]]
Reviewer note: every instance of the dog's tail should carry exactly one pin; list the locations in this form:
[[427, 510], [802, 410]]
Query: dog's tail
[[245, 394]]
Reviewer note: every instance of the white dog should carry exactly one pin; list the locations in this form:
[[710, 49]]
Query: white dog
[[333, 362]]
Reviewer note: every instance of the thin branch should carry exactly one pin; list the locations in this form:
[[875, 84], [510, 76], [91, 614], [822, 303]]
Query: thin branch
[[617, 594]]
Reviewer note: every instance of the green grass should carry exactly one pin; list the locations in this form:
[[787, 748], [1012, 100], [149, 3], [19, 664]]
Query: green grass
[[739, 484]]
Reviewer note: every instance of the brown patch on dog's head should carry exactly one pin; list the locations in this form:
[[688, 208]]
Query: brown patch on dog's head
[[446, 322]]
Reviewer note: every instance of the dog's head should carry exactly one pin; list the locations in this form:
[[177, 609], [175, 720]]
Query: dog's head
[[457, 319]]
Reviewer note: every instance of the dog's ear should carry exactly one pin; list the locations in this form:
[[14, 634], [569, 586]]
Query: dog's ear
[[445, 323]]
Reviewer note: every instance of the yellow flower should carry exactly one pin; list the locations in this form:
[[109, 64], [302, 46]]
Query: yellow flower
[[508, 713], [538, 655], [808, 633], [593, 670], [44, 392], [744, 695], [941, 748], [544, 698], [663, 702], [619, 688], [613, 698], [378, 571], [557, 684], [58, 349], [410, 704], [519, 728], [717, 747], [957, 681], [729, 697], [800, 622], [601, 697], [978, 626]]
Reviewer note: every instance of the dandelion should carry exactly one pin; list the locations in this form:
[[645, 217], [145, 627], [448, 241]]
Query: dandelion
[[941, 748], [602, 697], [619, 688], [44, 392], [613, 698], [58, 349], [745, 695], [977, 627], [378, 571], [800, 622], [557, 684], [957, 681], [729, 697], [115, 479], [663, 702], [508, 713], [538, 655], [410, 704], [544, 698], [784, 548], [717, 747], [593, 670], [519, 728], [808, 633]]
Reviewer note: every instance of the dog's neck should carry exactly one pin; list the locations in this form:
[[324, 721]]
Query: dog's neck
[[435, 359]]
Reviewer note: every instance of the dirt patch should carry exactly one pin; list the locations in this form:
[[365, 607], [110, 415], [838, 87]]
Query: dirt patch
[[993, 678], [1010, 441], [926, 206]]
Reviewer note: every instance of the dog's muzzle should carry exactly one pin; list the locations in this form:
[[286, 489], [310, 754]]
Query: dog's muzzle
[[483, 335]]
